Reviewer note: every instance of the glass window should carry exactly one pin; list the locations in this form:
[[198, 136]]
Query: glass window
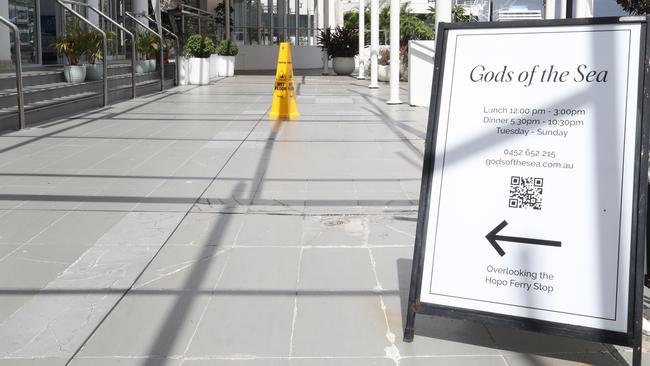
[[23, 14]]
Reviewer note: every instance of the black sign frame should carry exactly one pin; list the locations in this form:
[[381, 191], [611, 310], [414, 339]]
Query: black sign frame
[[633, 337]]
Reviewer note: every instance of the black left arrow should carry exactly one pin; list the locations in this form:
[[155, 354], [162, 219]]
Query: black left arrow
[[492, 237]]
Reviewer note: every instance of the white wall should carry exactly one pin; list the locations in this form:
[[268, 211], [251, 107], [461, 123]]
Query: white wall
[[420, 57], [266, 57]]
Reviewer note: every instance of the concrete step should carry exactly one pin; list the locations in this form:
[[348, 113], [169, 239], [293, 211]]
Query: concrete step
[[45, 110], [37, 93], [55, 75], [32, 78]]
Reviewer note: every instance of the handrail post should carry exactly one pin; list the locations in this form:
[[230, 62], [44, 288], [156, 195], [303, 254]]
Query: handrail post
[[19, 73], [104, 48], [178, 45], [133, 80], [160, 36]]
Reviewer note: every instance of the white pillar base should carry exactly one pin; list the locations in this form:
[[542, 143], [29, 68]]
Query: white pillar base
[[394, 101], [373, 86]]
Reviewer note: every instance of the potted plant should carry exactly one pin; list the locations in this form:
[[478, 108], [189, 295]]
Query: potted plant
[[73, 46], [198, 49], [94, 53], [154, 48], [383, 65], [226, 61], [145, 43], [341, 45]]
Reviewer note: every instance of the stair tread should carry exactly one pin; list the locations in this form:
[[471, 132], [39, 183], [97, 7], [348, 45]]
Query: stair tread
[[70, 97], [64, 84], [42, 103]]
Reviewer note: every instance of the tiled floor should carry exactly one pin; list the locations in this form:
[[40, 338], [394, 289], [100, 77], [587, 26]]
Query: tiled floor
[[185, 228]]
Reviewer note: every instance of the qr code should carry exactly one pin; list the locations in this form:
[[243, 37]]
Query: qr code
[[526, 192]]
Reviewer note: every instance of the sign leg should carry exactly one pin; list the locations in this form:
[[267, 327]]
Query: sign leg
[[409, 329], [647, 247], [636, 355]]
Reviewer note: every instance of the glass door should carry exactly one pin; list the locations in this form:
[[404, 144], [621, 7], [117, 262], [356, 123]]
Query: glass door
[[48, 19], [23, 14]]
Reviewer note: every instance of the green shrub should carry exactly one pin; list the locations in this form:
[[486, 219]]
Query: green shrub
[[198, 46], [340, 42], [228, 48]]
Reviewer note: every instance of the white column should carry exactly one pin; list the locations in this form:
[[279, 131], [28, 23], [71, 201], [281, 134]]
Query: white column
[[326, 23], [584, 8], [92, 16], [362, 38], [5, 40], [443, 12], [394, 52], [563, 9], [227, 15], [141, 7], [549, 9], [374, 42]]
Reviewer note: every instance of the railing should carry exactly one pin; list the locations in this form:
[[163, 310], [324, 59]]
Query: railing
[[178, 50], [133, 80], [19, 73], [160, 36], [104, 48]]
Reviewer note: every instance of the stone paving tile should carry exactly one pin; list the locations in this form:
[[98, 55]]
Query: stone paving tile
[[199, 229], [117, 361], [563, 359], [237, 362], [340, 361], [250, 325], [336, 269], [437, 336], [78, 228], [339, 324], [158, 325], [50, 361], [339, 230], [141, 228], [392, 229], [261, 270], [510, 340], [461, 360], [17, 227], [393, 267], [181, 268], [270, 230]]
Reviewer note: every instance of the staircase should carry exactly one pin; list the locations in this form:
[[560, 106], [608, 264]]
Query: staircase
[[48, 95]]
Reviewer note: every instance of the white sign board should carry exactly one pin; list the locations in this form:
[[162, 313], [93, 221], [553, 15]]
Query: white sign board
[[531, 203]]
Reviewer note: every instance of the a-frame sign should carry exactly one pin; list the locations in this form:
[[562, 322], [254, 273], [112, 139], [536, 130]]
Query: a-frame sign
[[533, 199]]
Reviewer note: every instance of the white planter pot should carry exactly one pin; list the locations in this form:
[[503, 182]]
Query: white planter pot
[[383, 72], [74, 73], [183, 71], [152, 65], [226, 66], [343, 65], [214, 61], [141, 66], [199, 71], [94, 71]]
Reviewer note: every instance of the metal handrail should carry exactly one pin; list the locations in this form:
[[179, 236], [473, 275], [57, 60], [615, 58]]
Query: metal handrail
[[209, 13], [104, 48], [178, 50], [19, 73], [133, 80], [160, 36]]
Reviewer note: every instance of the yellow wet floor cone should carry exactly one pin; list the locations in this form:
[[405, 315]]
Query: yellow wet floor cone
[[284, 95]]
